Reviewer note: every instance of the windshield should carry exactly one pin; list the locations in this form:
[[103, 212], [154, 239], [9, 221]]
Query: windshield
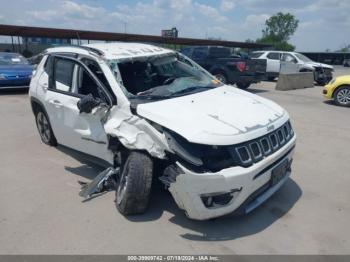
[[12, 59], [161, 77], [303, 58]]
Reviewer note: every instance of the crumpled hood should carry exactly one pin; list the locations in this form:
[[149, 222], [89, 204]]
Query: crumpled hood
[[221, 116], [316, 64]]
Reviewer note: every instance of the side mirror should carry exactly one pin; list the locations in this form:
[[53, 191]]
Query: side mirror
[[87, 103]]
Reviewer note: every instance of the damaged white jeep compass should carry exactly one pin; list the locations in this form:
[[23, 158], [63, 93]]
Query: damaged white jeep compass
[[150, 112]]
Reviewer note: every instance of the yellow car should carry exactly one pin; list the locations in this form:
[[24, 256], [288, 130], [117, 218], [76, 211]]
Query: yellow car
[[339, 90]]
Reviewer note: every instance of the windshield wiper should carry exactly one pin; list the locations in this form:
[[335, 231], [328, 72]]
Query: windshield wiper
[[190, 90], [150, 97]]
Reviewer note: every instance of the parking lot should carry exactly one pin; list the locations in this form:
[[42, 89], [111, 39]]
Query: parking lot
[[42, 213]]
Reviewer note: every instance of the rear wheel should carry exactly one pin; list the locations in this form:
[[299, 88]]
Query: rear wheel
[[221, 77], [342, 96], [44, 128], [134, 188]]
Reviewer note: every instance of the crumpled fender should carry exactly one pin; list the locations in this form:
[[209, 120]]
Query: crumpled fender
[[135, 133]]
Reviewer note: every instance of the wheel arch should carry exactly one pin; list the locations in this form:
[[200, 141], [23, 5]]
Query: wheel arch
[[338, 87], [36, 104]]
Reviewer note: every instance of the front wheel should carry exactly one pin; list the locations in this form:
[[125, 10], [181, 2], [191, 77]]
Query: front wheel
[[134, 188], [342, 96]]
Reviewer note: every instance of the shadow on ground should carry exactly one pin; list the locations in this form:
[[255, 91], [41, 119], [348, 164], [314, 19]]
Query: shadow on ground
[[13, 91], [224, 228], [228, 227], [256, 91]]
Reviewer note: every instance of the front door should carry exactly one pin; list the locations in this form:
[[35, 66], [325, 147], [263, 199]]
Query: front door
[[81, 131]]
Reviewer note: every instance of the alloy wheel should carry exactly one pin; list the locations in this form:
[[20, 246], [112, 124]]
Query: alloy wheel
[[343, 96], [43, 127]]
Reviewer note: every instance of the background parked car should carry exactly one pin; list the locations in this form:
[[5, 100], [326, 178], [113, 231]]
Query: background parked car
[[227, 67], [346, 62], [35, 60], [15, 71], [338, 90], [322, 72]]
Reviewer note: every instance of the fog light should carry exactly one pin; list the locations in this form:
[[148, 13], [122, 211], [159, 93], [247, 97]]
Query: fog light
[[219, 199]]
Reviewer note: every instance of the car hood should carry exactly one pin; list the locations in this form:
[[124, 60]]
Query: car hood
[[344, 78], [316, 64], [221, 116], [16, 69]]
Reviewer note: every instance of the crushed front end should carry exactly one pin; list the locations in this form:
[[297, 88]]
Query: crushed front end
[[235, 178]]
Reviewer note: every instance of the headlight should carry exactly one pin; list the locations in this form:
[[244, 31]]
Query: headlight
[[332, 81], [2, 77], [199, 157]]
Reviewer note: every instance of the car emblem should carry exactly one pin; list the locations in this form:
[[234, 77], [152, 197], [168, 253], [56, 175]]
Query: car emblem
[[270, 128], [17, 76]]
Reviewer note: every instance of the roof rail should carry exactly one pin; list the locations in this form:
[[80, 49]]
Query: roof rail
[[87, 48]]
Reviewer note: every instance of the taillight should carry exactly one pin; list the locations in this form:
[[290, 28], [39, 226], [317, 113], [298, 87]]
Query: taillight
[[241, 66]]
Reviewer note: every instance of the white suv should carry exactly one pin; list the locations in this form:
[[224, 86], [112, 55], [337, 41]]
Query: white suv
[[142, 108], [322, 72]]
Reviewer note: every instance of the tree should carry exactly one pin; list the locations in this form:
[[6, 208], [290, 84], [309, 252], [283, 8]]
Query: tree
[[278, 30], [344, 49]]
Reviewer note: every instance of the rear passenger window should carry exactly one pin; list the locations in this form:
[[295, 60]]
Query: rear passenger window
[[274, 56], [63, 74]]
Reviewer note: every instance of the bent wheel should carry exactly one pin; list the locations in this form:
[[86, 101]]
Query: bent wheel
[[134, 188]]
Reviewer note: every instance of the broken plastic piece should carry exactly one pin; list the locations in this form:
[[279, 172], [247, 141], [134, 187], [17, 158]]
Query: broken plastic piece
[[104, 181]]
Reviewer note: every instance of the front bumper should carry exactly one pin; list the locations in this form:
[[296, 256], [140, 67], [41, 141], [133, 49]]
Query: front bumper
[[247, 183], [328, 91], [15, 83]]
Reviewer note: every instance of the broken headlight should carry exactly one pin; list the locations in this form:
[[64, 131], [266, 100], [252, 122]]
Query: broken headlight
[[198, 157]]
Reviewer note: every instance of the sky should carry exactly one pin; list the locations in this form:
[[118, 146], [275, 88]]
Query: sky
[[324, 24]]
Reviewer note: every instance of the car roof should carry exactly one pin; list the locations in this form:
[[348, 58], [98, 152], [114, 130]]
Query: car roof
[[116, 50]]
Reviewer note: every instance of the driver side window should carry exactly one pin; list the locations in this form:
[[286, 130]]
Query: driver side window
[[86, 84], [71, 78]]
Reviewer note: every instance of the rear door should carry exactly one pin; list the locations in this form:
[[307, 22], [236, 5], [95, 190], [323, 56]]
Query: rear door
[[273, 62], [71, 80]]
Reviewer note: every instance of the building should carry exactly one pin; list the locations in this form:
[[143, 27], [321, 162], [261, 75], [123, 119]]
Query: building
[[333, 58], [173, 32], [46, 41]]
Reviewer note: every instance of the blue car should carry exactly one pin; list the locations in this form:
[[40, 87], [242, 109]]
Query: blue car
[[15, 71]]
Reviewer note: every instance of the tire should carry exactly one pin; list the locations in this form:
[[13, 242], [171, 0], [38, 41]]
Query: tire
[[44, 128], [342, 96], [221, 77], [243, 85], [134, 187], [271, 78]]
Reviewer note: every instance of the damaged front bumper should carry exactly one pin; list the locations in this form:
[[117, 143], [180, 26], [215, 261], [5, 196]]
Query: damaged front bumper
[[209, 195]]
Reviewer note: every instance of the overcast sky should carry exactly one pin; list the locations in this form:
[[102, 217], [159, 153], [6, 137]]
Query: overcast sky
[[323, 23]]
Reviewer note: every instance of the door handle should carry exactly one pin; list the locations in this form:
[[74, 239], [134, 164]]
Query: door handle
[[56, 103], [45, 86]]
